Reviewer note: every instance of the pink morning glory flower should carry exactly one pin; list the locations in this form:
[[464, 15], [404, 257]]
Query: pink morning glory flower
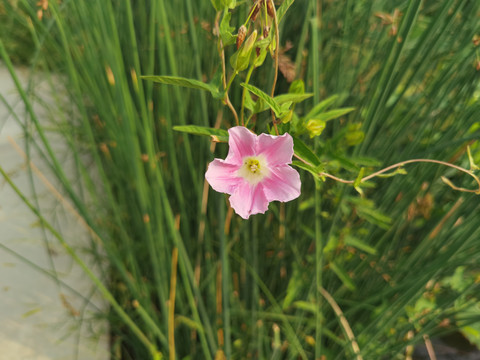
[[255, 172]]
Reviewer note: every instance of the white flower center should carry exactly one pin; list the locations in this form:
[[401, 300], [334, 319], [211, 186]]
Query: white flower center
[[254, 169]]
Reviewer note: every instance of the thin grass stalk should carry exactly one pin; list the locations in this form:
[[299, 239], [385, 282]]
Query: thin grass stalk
[[316, 23], [106, 294], [196, 49], [171, 306], [386, 80], [192, 292], [225, 272], [289, 331]]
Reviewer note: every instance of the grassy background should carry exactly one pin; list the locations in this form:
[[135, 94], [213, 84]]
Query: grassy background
[[400, 262]]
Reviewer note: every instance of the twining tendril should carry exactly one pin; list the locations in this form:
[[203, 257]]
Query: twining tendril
[[401, 164]]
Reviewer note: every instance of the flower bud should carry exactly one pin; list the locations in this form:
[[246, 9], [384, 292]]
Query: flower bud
[[266, 31], [254, 10], [257, 49], [270, 8], [242, 31], [247, 47], [241, 59]]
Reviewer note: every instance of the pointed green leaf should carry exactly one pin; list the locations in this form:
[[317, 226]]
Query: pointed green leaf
[[398, 171], [283, 9], [304, 152], [185, 82], [312, 170], [226, 30], [342, 275], [333, 114], [356, 243], [216, 134], [374, 216], [272, 104], [473, 166], [321, 106], [297, 87], [217, 4], [230, 3], [294, 98]]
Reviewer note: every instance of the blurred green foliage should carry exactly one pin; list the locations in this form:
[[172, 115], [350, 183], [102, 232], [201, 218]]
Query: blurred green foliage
[[250, 288]]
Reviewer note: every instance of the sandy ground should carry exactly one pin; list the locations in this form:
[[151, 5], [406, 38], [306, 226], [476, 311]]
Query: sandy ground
[[41, 317]]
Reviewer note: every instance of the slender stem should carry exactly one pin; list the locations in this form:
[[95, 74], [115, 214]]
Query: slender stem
[[343, 322], [277, 41], [429, 346], [400, 164], [221, 52], [275, 77], [171, 305], [319, 241], [227, 87], [225, 285], [244, 94]]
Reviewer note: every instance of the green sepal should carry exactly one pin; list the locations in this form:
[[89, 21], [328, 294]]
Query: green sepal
[[358, 181], [241, 59], [315, 127]]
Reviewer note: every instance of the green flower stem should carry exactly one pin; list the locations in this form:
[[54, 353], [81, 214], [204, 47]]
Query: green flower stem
[[244, 94]]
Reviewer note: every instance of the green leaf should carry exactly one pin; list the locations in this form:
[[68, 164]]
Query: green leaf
[[218, 135], [365, 161], [321, 106], [356, 243], [185, 82], [297, 87], [398, 171], [217, 4], [354, 135], [333, 114], [217, 83], [283, 9], [374, 216], [342, 275], [226, 30], [306, 306], [358, 181], [272, 104], [473, 166], [293, 288], [304, 152], [230, 3], [311, 169], [291, 97]]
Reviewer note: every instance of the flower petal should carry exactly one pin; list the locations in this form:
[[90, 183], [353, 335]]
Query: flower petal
[[248, 200], [277, 149], [283, 184], [241, 143], [222, 176]]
